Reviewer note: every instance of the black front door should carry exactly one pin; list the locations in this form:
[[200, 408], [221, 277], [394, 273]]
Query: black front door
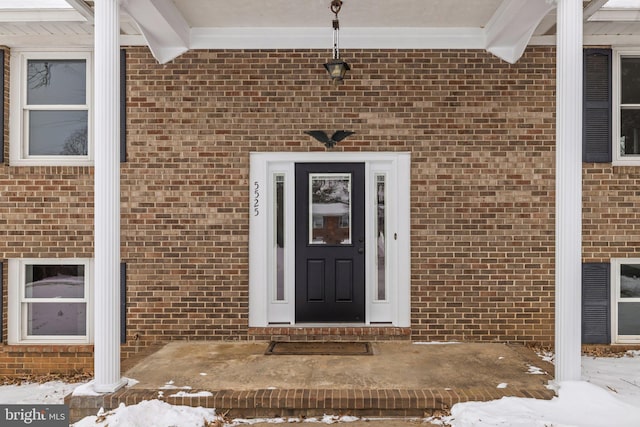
[[330, 261]]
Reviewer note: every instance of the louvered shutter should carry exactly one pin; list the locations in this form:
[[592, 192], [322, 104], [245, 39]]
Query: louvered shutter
[[123, 302], [1, 299], [596, 135], [596, 306], [2, 107], [123, 105]]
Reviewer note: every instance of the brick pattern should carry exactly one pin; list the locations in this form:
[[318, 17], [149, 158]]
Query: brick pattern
[[330, 334], [480, 132], [610, 200], [22, 360], [309, 402]]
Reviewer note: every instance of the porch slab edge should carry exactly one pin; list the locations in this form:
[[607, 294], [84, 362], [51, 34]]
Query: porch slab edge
[[305, 402]]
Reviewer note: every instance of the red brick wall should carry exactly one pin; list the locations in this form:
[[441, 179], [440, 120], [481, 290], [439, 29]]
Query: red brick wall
[[23, 360], [480, 132], [610, 219]]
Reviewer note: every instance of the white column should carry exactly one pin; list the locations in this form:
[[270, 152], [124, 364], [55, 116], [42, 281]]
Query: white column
[[568, 191], [107, 197]]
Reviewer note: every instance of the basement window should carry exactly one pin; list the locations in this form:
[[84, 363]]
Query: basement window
[[626, 300], [50, 301]]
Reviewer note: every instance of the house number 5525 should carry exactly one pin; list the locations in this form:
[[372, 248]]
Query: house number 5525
[[256, 199]]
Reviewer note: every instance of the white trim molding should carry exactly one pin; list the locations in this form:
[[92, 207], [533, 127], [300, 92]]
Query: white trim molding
[[107, 198], [616, 264], [17, 317], [18, 120], [618, 159], [264, 308], [568, 261]]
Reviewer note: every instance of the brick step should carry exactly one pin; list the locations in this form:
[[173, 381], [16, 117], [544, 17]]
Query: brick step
[[305, 402], [330, 333]]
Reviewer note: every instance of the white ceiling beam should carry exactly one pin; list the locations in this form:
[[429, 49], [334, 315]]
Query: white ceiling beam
[[61, 41], [350, 38], [615, 15], [592, 8], [162, 25], [40, 15], [82, 8], [512, 25]]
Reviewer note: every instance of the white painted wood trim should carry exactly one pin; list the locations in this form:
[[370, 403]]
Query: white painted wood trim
[[263, 165], [616, 263], [162, 25], [18, 145], [350, 38], [258, 267], [568, 263], [617, 158], [16, 318], [510, 29], [403, 250], [107, 198]]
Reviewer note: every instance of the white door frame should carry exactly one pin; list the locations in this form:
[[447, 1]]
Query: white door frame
[[264, 308]]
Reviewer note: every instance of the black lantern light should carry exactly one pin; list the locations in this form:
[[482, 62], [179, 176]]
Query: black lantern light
[[337, 68]]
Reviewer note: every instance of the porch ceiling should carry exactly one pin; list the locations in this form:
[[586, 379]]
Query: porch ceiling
[[171, 27]]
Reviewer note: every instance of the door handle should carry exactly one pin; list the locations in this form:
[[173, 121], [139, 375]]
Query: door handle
[[360, 250]]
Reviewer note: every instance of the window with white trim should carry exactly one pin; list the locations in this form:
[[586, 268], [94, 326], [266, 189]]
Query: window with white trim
[[626, 107], [51, 108], [50, 301], [625, 300]]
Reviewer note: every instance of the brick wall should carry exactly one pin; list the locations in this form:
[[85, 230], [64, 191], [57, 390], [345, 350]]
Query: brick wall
[[23, 360], [610, 225], [480, 132]]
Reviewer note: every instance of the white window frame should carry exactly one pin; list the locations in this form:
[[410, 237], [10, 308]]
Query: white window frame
[[17, 328], [618, 159], [18, 141], [264, 310], [615, 299]]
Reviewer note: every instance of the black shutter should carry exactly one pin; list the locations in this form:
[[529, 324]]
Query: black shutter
[[1, 299], [596, 307], [596, 108], [2, 106], [123, 105], [123, 303]]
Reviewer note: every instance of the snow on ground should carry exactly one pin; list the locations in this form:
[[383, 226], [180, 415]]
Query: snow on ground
[[609, 395]]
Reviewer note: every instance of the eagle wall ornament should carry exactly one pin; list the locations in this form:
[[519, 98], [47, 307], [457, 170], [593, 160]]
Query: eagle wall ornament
[[329, 142]]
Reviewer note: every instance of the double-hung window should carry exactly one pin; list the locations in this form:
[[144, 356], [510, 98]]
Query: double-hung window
[[626, 300], [51, 108], [626, 108], [50, 301]]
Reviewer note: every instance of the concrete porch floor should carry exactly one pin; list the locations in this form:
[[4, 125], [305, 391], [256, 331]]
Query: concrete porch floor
[[400, 379]]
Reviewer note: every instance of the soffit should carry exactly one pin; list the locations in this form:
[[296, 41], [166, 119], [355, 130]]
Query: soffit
[[354, 13], [171, 27]]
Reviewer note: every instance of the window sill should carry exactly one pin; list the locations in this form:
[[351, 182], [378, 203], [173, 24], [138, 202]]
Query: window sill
[[53, 162], [634, 161], [50, 342]]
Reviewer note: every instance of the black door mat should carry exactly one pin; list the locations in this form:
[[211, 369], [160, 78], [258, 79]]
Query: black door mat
[[317, 348]]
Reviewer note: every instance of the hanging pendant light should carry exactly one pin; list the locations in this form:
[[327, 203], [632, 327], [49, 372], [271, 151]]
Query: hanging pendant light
[[336, 68]]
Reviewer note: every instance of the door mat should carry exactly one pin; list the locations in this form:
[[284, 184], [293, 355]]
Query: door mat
[[317, 348]]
